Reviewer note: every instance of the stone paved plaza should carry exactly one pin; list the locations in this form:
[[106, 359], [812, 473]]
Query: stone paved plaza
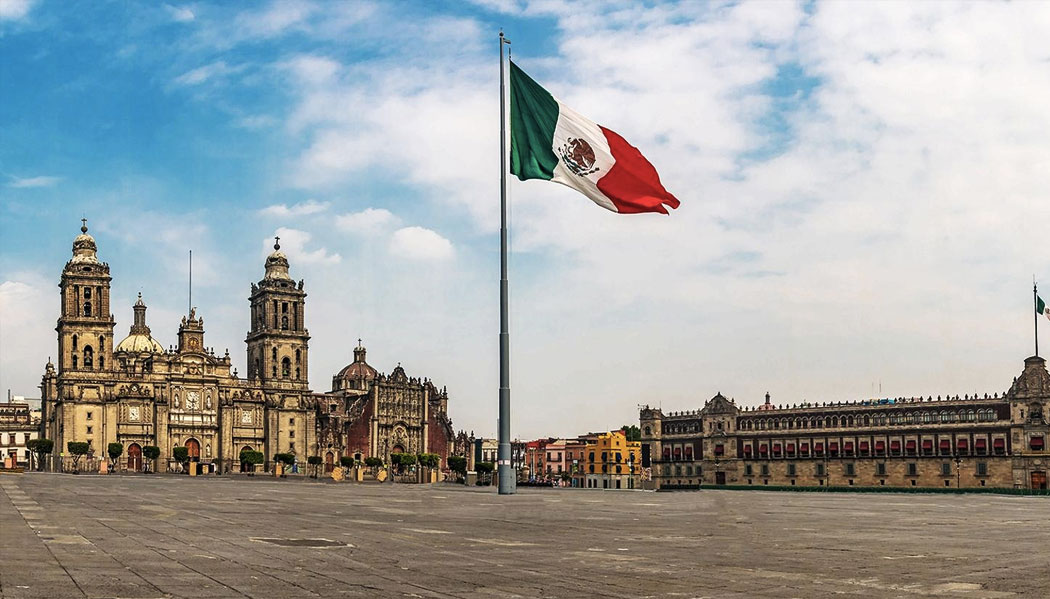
[[170, 536]]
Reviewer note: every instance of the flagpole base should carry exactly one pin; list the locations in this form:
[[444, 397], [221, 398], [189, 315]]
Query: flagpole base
[[508, 482]]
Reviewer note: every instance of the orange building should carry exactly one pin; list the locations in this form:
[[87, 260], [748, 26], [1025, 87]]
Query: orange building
[[612, 462]]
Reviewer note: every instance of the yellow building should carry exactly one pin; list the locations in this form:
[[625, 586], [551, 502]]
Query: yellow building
[[612, 462]]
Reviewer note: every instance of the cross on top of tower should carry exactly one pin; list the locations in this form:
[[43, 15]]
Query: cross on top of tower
[[83, 226], [276, 242]]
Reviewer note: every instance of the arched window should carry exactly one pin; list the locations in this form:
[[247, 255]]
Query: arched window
[[87, 293], [258, 368], [101, 341], [74, 342], [927, 417], [89, 356], [298, 355], [849, 421], [74, 362], [284, 323], [87, 308], [274, 353], [286, 367], [275, 371], [296, 373]]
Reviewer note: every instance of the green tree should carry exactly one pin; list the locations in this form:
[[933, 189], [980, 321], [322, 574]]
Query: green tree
[[78, 449], [41, 447], [374, 464], [632, 432], [252, 459], [287, 459], [151, 453], [485, 470], [347, 461], [405, 461], [457, 464], [315, 461], [114, 450], [182, 456]]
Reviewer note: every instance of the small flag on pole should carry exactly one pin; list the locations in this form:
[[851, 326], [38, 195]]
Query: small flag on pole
[[550, 141], [1041, 307]]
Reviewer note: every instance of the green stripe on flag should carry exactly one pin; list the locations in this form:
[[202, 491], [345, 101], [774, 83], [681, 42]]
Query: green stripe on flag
[[1040, 305], [533, 118]]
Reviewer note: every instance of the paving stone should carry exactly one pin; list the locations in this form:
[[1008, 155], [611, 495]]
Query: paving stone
[[171, 536]]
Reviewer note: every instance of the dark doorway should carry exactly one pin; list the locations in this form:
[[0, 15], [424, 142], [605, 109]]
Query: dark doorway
[[1039, 480], [193, 447], [245, 466], [329, 462], [720, 478], [134, 457]]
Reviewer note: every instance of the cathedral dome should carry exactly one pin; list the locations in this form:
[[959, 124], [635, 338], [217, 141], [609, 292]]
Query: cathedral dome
[[139, 339], [358, 370], [277, 263], [139, 343], [84, 248]]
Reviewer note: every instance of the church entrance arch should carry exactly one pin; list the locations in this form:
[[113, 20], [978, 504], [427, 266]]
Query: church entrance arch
[[398, 449], [135, 457], [245, 466], [193, 448], [329, 462]]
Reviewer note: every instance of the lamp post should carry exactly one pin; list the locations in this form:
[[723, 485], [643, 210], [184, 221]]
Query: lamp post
[[958, 471]]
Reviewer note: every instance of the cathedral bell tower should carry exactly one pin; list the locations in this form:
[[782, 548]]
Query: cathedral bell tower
[[278, 339], [85, 328]]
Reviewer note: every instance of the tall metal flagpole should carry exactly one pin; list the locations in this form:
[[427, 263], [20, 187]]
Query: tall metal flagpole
[[1035, 306], [507, 479]]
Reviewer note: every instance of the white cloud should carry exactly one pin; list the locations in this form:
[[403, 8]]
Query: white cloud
[[14, 10], [314, 70], [419, 243], [28, 182], [27, 330], [293, 243], [301, 209], [181, 14], [208, 72], [368, 221], [276, 19]]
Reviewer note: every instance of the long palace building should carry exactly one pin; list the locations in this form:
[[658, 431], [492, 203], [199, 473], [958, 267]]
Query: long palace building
[[137, 393], [990, 441]]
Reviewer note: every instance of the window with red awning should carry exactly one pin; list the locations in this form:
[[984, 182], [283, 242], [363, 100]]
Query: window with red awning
[[1036, 442]]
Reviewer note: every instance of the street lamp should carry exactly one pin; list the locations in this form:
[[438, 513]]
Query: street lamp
[[958, 471]]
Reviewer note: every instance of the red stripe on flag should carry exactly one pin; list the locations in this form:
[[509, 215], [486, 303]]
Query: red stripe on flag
[[632, 183]]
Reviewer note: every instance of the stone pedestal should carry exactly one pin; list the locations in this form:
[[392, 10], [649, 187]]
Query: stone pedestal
[[337, 474], [103, 467]]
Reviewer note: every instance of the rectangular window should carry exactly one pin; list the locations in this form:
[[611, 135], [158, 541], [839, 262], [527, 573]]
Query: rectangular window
[[913, 469], [89, 415], [89, 430], [291, 434], [982, 468], [946, 469], [291, 421], [820, 469], [880, 469], [291, 447], [850, 470], [791, 470], [747, 470], [765, 469]]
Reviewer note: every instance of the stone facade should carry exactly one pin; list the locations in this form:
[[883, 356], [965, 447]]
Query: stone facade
[[17, 427], [139, 394], [990, 441], [369, 414]]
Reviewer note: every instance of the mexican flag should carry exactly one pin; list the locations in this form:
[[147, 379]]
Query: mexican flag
[[550, 141], [1040, 307]]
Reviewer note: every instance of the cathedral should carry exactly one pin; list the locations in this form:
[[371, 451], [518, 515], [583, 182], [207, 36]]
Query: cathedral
[[139, 394]]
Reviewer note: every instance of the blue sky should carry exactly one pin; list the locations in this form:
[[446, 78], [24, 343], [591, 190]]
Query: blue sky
[[863, 189]]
